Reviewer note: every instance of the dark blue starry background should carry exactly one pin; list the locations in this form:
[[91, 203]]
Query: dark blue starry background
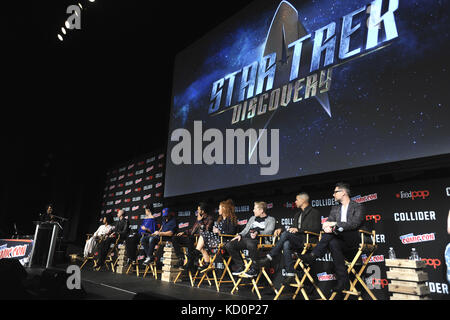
[[389, 105]]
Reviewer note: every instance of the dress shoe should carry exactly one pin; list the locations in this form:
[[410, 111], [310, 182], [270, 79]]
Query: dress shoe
[[308, 258], [239, 271], [250, 273]]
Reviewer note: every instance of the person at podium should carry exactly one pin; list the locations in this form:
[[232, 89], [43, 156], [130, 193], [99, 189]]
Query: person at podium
[[47, 215]]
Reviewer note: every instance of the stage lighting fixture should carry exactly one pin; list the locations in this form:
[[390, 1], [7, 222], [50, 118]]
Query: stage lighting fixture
[[60, 37], [79, 4], [63, 30], [67, 24]]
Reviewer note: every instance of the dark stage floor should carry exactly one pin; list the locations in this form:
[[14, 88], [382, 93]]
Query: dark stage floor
[[107, 285]]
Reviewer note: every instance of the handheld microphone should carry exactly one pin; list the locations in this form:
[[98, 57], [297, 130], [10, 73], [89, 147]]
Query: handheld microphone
[[337, 230]]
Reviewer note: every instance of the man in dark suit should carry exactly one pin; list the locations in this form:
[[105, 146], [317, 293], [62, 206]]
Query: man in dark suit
[[306, 219], [341, 234]]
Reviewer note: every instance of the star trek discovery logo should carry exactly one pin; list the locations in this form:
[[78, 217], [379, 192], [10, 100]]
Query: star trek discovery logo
[[300, 61]]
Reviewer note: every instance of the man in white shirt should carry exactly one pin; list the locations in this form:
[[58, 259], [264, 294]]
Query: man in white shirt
[[341, 233], [105, 229]]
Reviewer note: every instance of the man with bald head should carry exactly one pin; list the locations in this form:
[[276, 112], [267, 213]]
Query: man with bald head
[[305, 219]]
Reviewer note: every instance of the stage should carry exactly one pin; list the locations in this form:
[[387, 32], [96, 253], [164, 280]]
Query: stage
[[108, 285]]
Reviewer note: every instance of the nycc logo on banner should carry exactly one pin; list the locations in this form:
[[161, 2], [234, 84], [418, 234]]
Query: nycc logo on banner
[[413, 194], [323, 276], [12, 252], [411, 238]]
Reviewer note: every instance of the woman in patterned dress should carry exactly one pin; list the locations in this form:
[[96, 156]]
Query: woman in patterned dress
[[225, 224]]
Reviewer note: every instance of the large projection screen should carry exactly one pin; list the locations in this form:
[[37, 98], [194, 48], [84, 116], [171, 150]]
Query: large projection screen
[[334, 84]]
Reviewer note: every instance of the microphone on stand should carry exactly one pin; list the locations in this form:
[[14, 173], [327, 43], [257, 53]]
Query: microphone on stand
[[16, 233]]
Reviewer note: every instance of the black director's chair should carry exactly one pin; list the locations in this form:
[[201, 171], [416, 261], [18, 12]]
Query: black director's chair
[[134, 265], [300, 283], [193, 276], [262, 248], [216, 254], [152, 266], [111, 256], [367, 246], [92, 256]]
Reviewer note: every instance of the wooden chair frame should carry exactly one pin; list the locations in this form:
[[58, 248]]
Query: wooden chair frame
[[109, 259], [90, 256], [262, 271], [192, 277], [152, 266], [135, 263], [363, 248], [211, 268], [299, 283]]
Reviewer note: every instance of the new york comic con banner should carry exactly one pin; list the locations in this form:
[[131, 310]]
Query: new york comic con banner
[[16, 249], [404, 215], [133, 184], [316, 86]]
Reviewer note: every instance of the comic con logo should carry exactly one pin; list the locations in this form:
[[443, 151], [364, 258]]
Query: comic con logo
[[411, 238], [413, 194]]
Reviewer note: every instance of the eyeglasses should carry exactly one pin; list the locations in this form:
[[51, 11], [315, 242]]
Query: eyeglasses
[[336, 191]]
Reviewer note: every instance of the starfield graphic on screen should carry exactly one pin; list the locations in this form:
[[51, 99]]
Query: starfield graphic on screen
[[314, 86]]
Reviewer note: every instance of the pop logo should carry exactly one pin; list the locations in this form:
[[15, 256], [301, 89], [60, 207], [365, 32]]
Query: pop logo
[[382, 282], [375, 217], [413, 194], [432, 262]]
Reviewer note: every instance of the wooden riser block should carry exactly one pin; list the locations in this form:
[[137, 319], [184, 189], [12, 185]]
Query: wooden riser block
[[171, 269], [399, 296], [419, 290], [405, 263], [417, 277], [170, 255], [171, 249], [170, 262], [168, 277], [405, 271], [121, 269]]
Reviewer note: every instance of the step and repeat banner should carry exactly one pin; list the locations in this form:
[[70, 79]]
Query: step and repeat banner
[[133, 184], [404, 215]]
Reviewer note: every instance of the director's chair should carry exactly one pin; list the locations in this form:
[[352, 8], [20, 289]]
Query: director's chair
[[261, 247], [112, 252], [152, 266], [91, 256], [215, 254], [367, 246], [193, 276], [134, 265], [299, 283]]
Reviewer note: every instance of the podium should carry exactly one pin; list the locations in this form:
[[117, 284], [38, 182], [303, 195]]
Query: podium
[[45, 237]]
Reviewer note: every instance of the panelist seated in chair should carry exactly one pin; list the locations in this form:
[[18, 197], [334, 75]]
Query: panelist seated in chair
[[306, 218], [341, 234], [260, 223], [168, 229], [101, 232], [204, 221], [147, 227], [120, 229], [210, 239]]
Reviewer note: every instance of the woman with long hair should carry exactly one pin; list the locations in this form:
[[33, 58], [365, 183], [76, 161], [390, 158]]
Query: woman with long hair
[[225, 224]]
